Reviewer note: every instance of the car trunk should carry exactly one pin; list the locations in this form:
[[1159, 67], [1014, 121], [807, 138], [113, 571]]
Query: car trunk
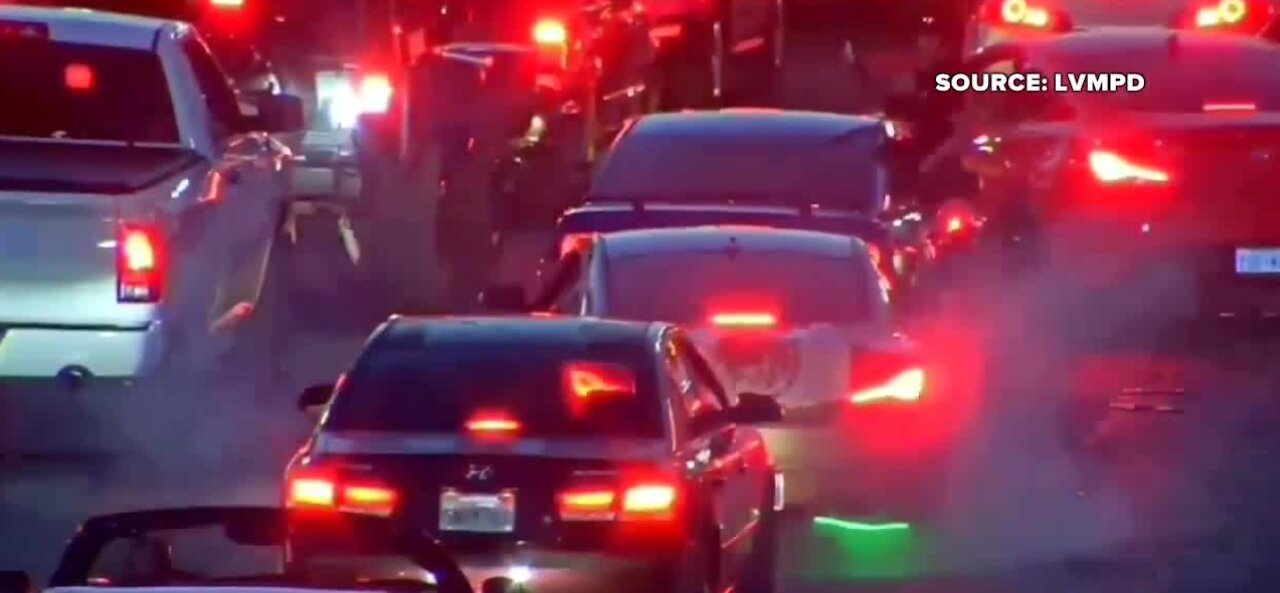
[[60, 210], [432, 472]]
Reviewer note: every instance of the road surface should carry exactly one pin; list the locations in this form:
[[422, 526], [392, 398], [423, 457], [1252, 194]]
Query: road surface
[[1154, 501]]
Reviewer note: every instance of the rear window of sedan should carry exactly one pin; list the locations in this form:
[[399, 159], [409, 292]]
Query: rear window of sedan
[[796, 288], [1182, 79], [84, 92], [544, 388]]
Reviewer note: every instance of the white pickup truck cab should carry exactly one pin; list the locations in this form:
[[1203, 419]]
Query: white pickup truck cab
[[138, 201]]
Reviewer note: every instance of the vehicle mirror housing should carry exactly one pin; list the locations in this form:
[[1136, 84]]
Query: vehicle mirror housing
[[15, 581], [755, 408], [277, 114], [314, 397], [504, 297]]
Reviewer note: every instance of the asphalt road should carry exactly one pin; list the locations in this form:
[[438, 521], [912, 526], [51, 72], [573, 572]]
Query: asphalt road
[[1153, 501]]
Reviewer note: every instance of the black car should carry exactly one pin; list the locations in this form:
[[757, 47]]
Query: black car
[[749, 156], [891, 255], [559, 452]]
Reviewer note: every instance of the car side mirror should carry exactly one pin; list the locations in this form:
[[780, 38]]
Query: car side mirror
[[15, 581], [276, 114], [313, 399], [504, 297], [755, 408]]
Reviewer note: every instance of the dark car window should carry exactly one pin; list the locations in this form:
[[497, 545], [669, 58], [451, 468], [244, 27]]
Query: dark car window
[[217, 90], [842, 171], [1182, 80], [83, 92], [439, 387], [798, 288]]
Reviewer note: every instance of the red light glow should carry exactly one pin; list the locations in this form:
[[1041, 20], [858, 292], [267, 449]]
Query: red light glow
[[744, 319], [492, 423], [1215, 107], [550, 32], [906, 386], [587, 379], [1109, 167], [78, 77]]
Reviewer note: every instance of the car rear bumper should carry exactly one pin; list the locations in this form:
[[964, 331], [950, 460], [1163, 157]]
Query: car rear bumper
[[44, 352], [567, 572]]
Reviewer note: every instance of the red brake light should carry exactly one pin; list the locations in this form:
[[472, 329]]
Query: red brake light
[[1244, 106], [550, 32], [493, 423], [649, 501], [587, 504], [369, 500], [907, 386], [572, 241], [955, 224], [1223, 13], [139, 264], [586, 379], [1020, 13], [228, 3], [78, 77], [375, 93], [312, 492], [744, 319], [1109, 167], [639, 501]]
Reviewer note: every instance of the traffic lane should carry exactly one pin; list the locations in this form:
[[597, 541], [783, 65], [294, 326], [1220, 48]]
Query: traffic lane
[[1048, 488]]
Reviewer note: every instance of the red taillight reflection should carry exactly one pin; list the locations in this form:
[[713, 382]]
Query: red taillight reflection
[[375, 92], [139, 264], [587, 379], [227, 3], [550, 31], [906, 386], [1019, 13], [572, 241], [1109, 167], [1230, 107], [744, 319], [1224, 13]]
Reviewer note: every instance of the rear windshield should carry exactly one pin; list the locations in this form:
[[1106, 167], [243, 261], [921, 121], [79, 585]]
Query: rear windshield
[[1184, 80], [440, 388], [797, 288], [83, 92]]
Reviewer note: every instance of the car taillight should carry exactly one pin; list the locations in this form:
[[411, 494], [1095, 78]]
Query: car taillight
[[550, 32], [585, 379], [326, 493], [1020, 13], [651, 500], [139, 264], [572, 241], [1218, 107], [744, 319], [494, 423], [906, 386], [78, 77], [885, 377], [1109, 167], [374, 92], [227, 3], [1223, 13]]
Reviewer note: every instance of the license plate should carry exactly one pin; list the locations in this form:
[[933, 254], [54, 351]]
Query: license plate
[[1258, 261], [478, 513]]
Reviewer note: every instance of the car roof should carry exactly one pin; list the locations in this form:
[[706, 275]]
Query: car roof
[[612, 217], [714, 238], [91, 27], [755, 122], [1118, 40], [521, 331]]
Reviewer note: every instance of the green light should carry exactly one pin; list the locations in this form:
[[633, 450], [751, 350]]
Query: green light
[[856, 526]]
